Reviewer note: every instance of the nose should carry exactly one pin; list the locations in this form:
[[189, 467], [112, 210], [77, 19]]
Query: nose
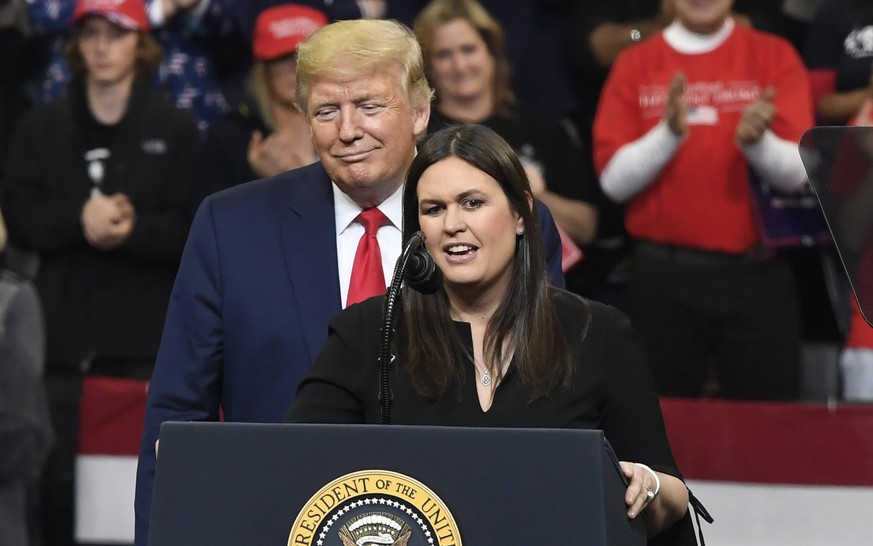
[[453, 220], [454, 62], [349, 125]]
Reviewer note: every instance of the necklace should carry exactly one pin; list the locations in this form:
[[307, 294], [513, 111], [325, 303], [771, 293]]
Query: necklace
[[486, 375], [486, 378]]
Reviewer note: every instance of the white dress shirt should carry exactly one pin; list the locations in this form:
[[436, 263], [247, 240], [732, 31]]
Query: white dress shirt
[[349, 233]]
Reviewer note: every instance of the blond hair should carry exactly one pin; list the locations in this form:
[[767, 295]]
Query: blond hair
[[258, 87], [359, 46], [440, 12]]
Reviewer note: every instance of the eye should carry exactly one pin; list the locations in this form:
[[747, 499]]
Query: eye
[[325, 113], [469, 49], [472, 203], [431, 210], [370, 108]]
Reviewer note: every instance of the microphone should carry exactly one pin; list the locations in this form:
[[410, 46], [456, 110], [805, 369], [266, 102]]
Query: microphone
[[422, 273], [416, 266]]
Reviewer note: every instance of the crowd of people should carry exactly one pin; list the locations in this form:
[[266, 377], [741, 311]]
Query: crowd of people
[[194, 189]]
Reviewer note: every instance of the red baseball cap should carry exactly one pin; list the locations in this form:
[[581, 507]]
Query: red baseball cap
[[129, 14], [280, 29]]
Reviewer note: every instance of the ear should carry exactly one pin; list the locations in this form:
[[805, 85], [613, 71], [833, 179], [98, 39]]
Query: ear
[[519, 222], [420, 117]]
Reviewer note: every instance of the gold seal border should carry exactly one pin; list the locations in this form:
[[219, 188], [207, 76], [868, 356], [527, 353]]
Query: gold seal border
[[374, 482]]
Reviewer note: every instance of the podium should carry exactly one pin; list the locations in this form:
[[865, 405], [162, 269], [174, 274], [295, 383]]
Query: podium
[[323, 485]]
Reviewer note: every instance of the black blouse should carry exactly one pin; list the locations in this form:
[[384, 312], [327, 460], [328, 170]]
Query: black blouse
[[611, 388]]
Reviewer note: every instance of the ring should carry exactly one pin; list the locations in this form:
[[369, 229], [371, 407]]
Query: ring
[[650, 495]]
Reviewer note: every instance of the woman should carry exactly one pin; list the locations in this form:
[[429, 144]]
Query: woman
[[265, 135], [466, 64], [521, 354]]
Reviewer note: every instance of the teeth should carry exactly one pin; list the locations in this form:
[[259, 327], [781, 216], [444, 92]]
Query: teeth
[[460, 248]]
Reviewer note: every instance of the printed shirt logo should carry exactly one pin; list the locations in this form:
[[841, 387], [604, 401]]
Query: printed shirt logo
[[374, 508], [705, 99], [154, 146], [859, 43]]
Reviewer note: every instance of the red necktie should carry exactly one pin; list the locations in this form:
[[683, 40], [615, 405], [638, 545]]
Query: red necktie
[[367, 277]]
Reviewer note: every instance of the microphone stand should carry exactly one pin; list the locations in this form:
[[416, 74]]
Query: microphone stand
[[387, 330]]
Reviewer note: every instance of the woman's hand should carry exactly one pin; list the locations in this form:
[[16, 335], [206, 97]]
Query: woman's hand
[[662, 509], [641, 488]]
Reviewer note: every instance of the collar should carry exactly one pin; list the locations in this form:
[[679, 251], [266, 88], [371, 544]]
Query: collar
[[346, 210], [684, 41]]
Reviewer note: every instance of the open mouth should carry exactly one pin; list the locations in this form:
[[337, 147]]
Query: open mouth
[[460, 252]]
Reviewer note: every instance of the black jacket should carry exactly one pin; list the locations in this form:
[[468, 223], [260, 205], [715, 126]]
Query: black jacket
[[102, 304]]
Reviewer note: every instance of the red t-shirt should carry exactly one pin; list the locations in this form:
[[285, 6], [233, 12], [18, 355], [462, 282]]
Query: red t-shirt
[[701, 199]]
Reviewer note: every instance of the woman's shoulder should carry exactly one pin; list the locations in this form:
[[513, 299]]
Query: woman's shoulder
[[366, 315], [577, 313]]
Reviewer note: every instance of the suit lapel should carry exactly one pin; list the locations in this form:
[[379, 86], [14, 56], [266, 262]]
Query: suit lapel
[[309, 239]]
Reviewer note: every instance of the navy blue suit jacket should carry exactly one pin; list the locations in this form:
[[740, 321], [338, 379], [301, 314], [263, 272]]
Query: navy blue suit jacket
[[255, 291]]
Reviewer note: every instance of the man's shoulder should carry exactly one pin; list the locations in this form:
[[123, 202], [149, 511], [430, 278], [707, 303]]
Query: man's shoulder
[[306, 184]]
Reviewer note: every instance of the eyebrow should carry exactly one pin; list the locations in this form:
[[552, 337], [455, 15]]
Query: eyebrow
[[461, 195]]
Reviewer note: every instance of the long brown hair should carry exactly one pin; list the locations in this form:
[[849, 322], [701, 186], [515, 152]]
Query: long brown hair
[[525, 324]]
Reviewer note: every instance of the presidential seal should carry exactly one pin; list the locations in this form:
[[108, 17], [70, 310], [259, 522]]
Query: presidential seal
[[374, 508]]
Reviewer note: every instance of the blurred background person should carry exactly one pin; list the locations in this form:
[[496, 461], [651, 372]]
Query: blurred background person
[[98, 184], [204, 54], [594, 34], [25, 426], [839, 54], [682, 119], [265, 134], [463, 49]]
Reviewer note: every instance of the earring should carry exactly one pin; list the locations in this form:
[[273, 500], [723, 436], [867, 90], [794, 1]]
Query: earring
[[520, 231]]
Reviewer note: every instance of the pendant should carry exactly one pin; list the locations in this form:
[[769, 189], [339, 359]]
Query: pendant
[[486, 378]]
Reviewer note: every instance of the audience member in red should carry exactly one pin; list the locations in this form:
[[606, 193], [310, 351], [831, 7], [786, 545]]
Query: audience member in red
[[683, 118]]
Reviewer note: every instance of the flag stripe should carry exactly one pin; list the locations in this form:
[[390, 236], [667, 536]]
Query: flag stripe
[[776, 443], [104, 499]]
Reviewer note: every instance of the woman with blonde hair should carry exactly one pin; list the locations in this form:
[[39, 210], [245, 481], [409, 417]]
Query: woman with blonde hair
[[463, 49], [265, 135]]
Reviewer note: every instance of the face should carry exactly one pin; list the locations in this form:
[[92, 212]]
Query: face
[[109, 51], [703, 16], [470, 227], [461, 66], [364, 129], [282, 80]]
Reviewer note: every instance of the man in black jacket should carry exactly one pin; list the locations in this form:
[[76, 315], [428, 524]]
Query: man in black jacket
[[99, 185]]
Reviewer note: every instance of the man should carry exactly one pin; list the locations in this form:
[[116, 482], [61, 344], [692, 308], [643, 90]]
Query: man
[[99, 185], [685, 116], [269, 263]]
